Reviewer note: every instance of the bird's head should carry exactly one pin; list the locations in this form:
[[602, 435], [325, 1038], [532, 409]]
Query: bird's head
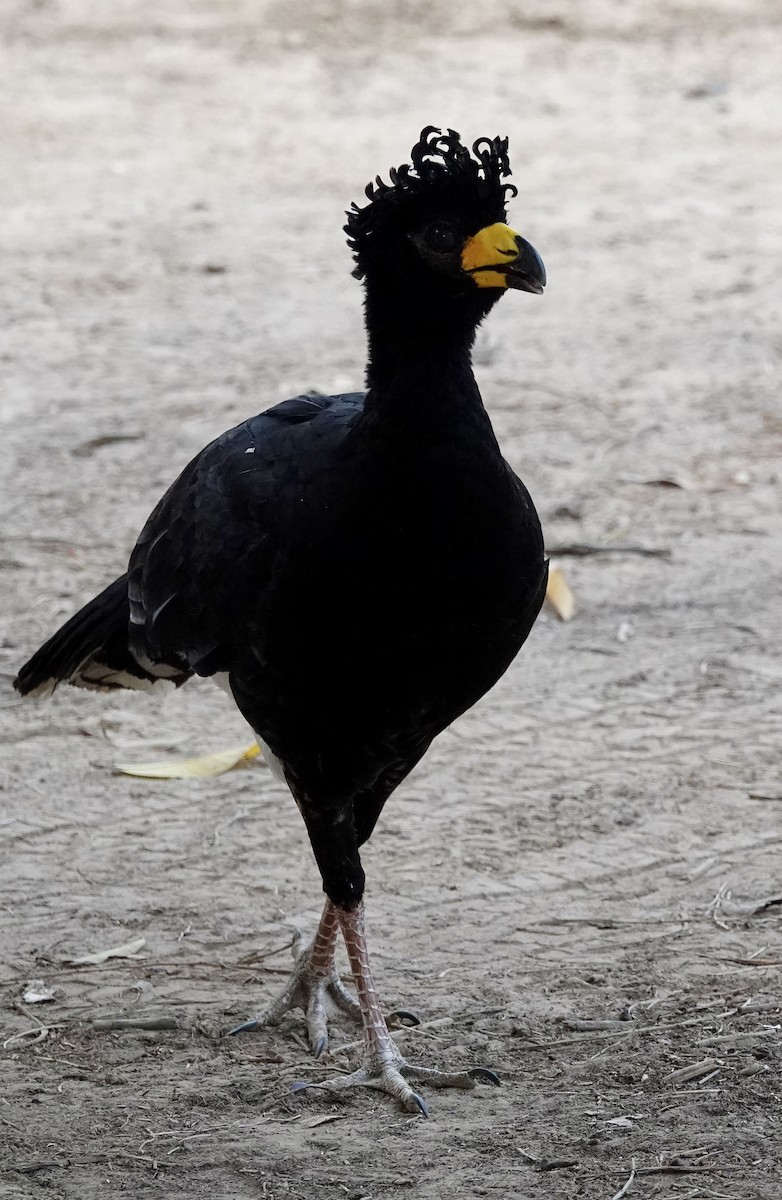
[[435, 237]]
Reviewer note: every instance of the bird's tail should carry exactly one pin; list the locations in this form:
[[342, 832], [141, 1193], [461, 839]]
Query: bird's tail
[[92, 651]]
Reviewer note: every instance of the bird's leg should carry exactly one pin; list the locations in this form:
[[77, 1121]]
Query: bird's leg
[[314, 986], [383, 1067]]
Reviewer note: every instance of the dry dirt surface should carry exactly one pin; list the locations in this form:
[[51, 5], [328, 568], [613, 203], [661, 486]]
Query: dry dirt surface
[[580, 886]]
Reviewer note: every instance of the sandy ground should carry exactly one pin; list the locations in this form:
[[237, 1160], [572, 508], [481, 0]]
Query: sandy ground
[[580, 886]]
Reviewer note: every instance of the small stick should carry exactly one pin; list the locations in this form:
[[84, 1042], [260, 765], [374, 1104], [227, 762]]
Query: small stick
[[679, 1170], [64, 1062], [43, 1164], [586, 549], [32, 1036], [769, 1031], [695, 1070], [693, 1170], [106, 1023], [227, 1125], [633, 1028], [555, 1164], [147, 964], [437, 1022], [624, 1190], [754, 962], [579, 1026]]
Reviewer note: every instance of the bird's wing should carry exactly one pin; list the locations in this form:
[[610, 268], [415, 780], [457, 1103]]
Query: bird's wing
[[207, 555]]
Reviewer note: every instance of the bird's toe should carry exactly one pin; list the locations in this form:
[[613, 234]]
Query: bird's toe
[[342, 999]]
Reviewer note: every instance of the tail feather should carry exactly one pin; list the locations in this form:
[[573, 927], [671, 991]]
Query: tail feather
[[91, 650]]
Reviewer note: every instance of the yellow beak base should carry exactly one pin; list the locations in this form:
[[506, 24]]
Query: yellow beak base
[[493, 247]]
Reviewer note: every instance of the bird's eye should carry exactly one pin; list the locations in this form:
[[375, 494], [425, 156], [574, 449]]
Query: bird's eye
[[441, 237]]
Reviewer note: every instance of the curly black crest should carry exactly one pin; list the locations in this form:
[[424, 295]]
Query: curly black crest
[[443, 172]]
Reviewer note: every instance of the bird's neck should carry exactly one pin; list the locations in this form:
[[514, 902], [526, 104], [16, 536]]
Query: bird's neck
[[420, 368]]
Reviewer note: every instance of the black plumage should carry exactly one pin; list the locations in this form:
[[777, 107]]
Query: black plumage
[[362, 567]]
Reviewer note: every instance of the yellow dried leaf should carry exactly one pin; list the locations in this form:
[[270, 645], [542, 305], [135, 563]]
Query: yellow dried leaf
[[204, 767], [560, 595]]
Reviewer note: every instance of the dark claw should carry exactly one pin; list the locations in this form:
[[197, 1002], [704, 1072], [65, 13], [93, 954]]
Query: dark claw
[[245, 1028], [421, 1104], [484, 1074], [404, 1016], [320, 1046]]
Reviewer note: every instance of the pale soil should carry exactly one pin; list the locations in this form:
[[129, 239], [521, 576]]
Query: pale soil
[[587, 845]]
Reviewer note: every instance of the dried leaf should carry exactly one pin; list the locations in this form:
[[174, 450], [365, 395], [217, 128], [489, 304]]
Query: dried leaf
[[677, 480], [748, 908], [104, 439], [37, 992], [672, 481], [559, 594], [204, 767], [129, 950]]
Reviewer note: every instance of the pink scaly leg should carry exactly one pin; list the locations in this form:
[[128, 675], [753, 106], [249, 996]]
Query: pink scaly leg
[[383, 1067], [314, 986]]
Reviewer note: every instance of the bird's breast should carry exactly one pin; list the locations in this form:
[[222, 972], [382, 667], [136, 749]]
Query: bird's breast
[[422, 563]]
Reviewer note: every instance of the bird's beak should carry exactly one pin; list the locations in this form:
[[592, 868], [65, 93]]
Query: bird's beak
[[498, 257]]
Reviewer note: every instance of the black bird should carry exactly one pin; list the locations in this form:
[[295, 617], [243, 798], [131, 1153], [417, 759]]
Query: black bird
[[356, 570]]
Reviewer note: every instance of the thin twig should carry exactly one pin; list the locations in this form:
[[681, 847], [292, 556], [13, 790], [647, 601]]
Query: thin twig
[[107, 1023], [579, 1026], [681, 1170], [633, 1028], [63, 1062], [437, 1022], [47, 1164], [752, 962], [768, 1031], [587, 549], [624, 1190], [38, 1033], [207, 1129], [247, 965]]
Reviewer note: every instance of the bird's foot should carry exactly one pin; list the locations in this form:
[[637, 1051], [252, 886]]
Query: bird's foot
[[315, 987], [387, 1071]]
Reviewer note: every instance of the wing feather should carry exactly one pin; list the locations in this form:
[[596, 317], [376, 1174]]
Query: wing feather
[[201, 571]]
